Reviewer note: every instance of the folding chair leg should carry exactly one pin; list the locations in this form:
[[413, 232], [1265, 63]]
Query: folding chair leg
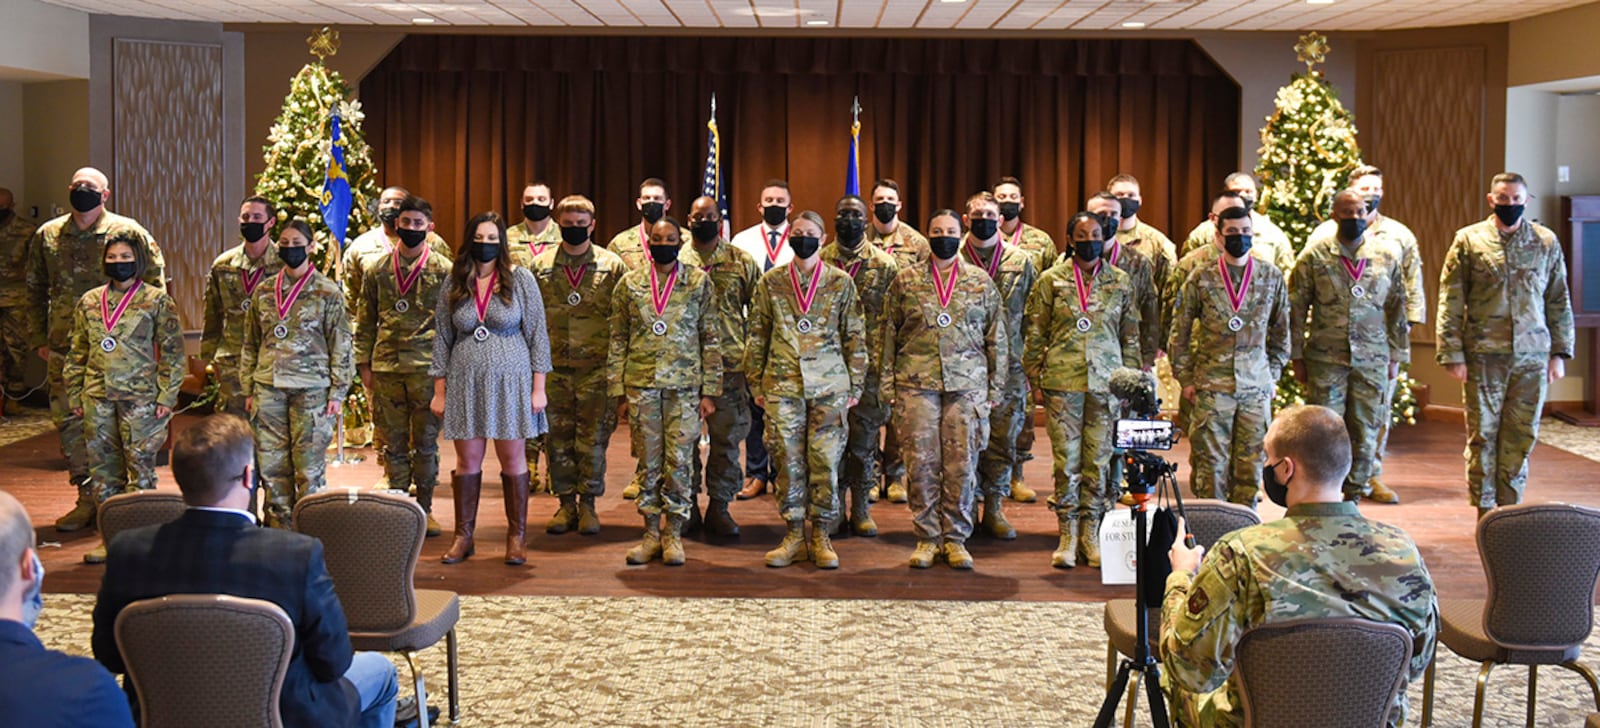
[[1477, 701], [1111, 664], [1427, 691], [454, 677], [1533, 691], [1588, 676], [421, 691], [1133, 698]]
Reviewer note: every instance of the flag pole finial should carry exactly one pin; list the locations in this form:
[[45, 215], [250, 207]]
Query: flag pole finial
[[713, 105], [855, 109]]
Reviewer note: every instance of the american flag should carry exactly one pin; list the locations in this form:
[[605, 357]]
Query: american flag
[[712, 185]]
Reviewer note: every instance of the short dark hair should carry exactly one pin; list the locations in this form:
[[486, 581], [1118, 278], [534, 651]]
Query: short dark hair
[[1226, 195], [272, 209], [887, 184], [946, 212], [1080, 216], [300, 225], [1232, 213], [209, 456], [848, 198], [654, 182], [539, 183], [135, 242], [1316, 439], [1102, 195], [1008, 180], [775, 182], [1123, 177], [413, 203], [1508, 178]]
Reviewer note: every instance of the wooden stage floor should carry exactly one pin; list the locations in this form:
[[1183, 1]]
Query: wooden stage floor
[[1424, 466]]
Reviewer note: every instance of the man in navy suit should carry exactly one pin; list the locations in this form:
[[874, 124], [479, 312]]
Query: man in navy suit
[[40, 687], [216, 548]]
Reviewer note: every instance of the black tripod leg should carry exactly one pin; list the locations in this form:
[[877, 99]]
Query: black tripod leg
[[1158, 702], [1108, 709]]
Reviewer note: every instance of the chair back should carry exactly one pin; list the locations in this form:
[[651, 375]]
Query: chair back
[[1541, 561], [371, 541], [1359, 668], [206, 659], [1209, 520], [126, 511]]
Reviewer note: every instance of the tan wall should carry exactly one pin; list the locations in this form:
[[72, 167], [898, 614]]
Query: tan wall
[[11, 142], [1555, 46], [55, 121]]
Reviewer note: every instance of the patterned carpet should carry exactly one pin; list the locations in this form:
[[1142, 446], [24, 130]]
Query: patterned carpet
[[1581, 441], [542, 661]]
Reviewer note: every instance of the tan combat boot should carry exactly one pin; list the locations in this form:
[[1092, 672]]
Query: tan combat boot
[[994, 520], [822, 553], [425, 499], [861, 513], [1381, 494], [1066, 554], [650, 546], [793, 546], [96, 555], [588, 520], [672, 541], [897, 490], [955, 552], [566, 517], [1020, 492], [922, 557], [82, 514], [1089, 540], [632, 491]]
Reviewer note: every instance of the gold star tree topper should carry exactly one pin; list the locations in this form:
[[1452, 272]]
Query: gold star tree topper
[[1312, 49], [323, 43]]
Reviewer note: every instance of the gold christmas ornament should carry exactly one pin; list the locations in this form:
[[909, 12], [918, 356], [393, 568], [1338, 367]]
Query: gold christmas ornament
[[1312, 49], [325, 43]]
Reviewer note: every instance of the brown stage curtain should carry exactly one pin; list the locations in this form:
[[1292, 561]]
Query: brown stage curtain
[[466, 120]]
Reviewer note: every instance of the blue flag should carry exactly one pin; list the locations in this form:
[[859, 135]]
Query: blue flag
[[712, 185], [852, 173], [335, 207]]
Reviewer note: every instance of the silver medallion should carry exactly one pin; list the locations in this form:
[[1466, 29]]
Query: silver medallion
[[574, 299], [402, 306], [659, 328], [944, 320], [245, 305], [1235, 323], [804, 325], [280, 331], [108, 345], [1083, 324], [1358, 291], [480, 334]]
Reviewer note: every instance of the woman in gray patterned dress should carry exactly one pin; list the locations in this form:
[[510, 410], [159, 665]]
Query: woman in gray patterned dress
[[489, 364]]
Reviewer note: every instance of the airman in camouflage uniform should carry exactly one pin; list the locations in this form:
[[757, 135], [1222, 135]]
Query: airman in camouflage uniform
[[944, 365], [14, 349], [872, 270], [733, 273], [1322, 560], [633, 246], [1505, 331], [1018, 234], [1135, 234], [295, 370], [230, 284], [1353, 293], [668, 363], [1013, 271], [1229, 358], [123, 373], [909, 249], [65, 261], [1273, 242], [537, 232], [393, 348], [1069, 353], [578, 280]]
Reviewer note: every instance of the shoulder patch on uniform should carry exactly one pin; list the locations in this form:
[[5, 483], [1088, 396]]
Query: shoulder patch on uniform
[[1198, 601]]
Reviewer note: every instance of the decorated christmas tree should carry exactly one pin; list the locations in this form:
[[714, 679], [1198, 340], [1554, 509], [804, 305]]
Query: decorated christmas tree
[[1308, 149]]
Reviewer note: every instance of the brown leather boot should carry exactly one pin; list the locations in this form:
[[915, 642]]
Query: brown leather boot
[[464, 491], [516, 494]]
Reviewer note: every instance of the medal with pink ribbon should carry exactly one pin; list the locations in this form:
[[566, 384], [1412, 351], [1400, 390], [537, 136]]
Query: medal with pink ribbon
[[659, 295], [945, 290], [1236, 295], [110, 317], [1083, 294], [805, 297], [480, 301], [405, 282], [1354, 270], [284, 304]]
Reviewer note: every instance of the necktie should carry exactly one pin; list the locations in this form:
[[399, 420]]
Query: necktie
[[772, 243]]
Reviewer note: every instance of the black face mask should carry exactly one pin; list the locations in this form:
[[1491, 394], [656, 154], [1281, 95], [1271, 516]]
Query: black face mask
[[652, 211], [705, 231], [293, 257], [804, 246], [387, 215], [1249, 201], [1088, 250], [122, 271], [84, 200], [485, 252], [850, 230], [1130, 207], [5, 215], [1236, 245], [536, 212], [1352, 229], [944, 247], [252, 231], [663, 254], [1010, 210], [1509, 214], [983, 228], [1276, 492], [1109, 226], [774, 215], [412, 238], [885, 211], [1372, 203], [574, 234]]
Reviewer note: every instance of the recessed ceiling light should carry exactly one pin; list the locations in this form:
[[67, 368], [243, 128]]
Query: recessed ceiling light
[[422, 21], [1133, 24], [816, 22]]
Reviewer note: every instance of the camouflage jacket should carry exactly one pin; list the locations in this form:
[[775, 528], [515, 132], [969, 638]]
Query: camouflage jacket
[[64, 263], [374, 243], [1155, 246], [140, 359], [1068, 349], [632, 246], [675, 350], [313, 353], [805, 354], [227, 300], [1146, 296], [733, 282], [1320, 560], [1035, 241], [1329, 323], [394, 333], [578, 319], [907, 246], [968, 353], [524, 244], [14, 236], [1013, 279], [1402, 243], [1181, 272], [1208, 355], [1504, 296], [1266, 235], [872, 270]]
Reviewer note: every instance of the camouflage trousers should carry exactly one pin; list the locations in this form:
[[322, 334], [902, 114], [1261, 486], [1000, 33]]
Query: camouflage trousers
[[580, 429], [942, 434], [1079, 425], [69, 425], [894, 465], [1382, 444], [1225, 455], [534, 446], [726, 429], [122, 441], [292, 436], [1025, 435], [1357, 396], [410, 431], [807, 439], [1504, 396], [230, 397], [998, 461], [859, 472], [14, 350], [664, 425]]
